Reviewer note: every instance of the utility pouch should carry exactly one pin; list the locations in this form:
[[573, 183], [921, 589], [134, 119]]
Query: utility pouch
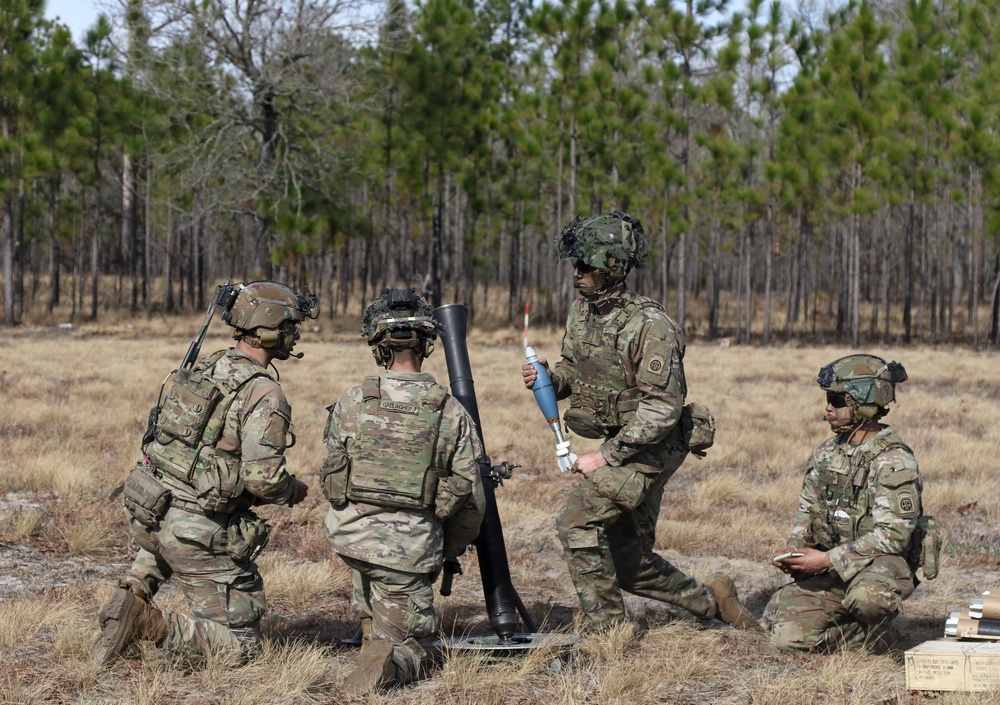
[[698, 426], [247, 535], [583, 423], [144, 496], [334, 479], [590, 410], [218, 484], [188, 408], [925, 547]]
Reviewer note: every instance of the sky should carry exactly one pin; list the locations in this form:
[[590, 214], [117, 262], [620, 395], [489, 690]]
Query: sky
[[78, 15]]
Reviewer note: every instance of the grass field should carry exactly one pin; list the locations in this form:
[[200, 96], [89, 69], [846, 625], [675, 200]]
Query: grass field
[[75, 403]]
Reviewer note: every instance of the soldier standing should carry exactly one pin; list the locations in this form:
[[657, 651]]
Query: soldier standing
[[622, 368], [402, 478], [855, 544], [217, 448]]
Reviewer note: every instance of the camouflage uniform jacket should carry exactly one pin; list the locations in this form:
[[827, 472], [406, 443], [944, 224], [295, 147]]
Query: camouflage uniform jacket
[[636, 347], [255, 431], [410, 540], [859, 502]]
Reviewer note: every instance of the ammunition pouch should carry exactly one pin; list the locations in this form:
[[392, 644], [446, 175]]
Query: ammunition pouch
[[185, 413], [452, 492], [583, 422], [698, 426], [246, 536], [825, 535], [333, 479], [144, 496], [925, 547], [218, 483], [599, 412], [188, 424]]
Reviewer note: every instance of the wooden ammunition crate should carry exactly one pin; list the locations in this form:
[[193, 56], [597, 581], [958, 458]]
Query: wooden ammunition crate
[[950, 664]]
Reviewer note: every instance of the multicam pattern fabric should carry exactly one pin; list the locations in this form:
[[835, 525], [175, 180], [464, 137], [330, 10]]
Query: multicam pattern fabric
[[409, 540], [226, 597], [629, 364], [860, 504], [400, 608], [380, 474], [612, 243], [607, 526], [825, 612], [251, 435]]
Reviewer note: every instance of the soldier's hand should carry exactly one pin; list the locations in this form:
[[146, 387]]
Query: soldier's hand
[[530, 374], [781, 549], [811, 562], [588, 463], [300, 492]]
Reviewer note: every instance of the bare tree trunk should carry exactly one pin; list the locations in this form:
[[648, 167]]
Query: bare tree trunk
[[908, 269], [714, 286], [95, 241], [147, 257], [7, 230], [975, 233], [681, 275], [53, 247], [739, 286], [886, 276], [856, 266], [768, 239], [922, 271], [128, 234], [747, 280], [995, 303]]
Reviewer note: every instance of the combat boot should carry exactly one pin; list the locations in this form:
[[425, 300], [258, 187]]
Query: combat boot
[[127, 618], [730, 609], [375, 669]]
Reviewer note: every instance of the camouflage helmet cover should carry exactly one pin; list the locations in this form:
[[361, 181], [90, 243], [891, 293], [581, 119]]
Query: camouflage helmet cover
[[868, 379], [400, 313], [613, 243], [267, 304]]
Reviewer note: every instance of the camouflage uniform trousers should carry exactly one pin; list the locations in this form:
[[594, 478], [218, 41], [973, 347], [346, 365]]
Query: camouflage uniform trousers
[[226, 598], [607, 527], [400, 607], [823, 612]]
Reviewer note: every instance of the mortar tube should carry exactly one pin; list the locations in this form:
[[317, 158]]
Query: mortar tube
[[503, 604]]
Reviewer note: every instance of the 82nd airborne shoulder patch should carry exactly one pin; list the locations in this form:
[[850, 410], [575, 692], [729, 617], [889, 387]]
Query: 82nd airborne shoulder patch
[[906, 503]]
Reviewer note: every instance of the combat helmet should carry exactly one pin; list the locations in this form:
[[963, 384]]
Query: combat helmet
[[614, 243], [399, 319], [264, 313], [868, 379]]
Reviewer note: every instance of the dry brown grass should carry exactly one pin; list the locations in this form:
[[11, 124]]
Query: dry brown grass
[[76, 403]]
